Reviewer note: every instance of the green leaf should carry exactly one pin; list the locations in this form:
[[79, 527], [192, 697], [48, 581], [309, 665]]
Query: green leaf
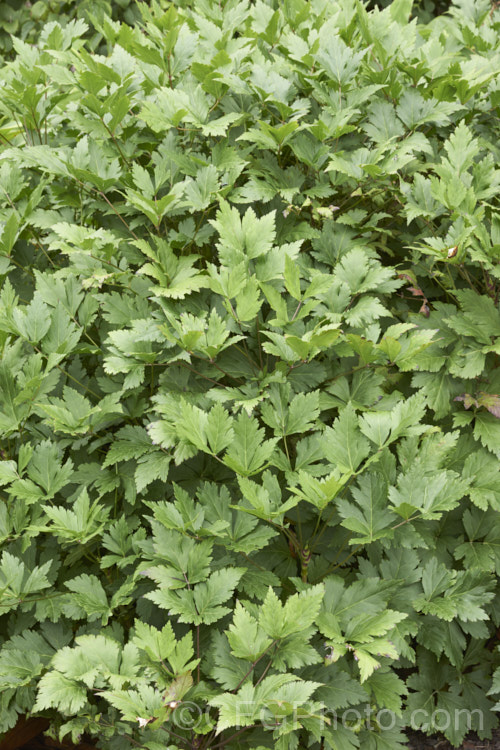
[[368, 517], [203, 603], [400, 10], [344, 445], [246, 639], [8, 472], [80, 524], [248, 452], [57, 691], [487, 430], [89, 595], [298, 614], [248, 237], [292, 278]]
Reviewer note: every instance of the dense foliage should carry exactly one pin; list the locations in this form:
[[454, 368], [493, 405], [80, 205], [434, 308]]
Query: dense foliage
[[26, 19], [249, 384]]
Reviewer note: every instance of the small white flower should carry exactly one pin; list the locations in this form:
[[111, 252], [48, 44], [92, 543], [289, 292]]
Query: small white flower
[[330, 654], [142, 722]]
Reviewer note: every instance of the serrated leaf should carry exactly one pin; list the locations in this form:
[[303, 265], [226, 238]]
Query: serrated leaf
[[344, 445]]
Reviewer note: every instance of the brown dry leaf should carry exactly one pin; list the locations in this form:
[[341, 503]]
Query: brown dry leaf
[[425, 309], [490, 401]]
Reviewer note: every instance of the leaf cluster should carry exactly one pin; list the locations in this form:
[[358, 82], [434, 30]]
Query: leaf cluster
[[249, 383]]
